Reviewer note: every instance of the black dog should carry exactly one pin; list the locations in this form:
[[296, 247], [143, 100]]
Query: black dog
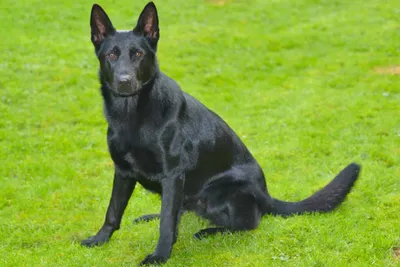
[[171, 144]]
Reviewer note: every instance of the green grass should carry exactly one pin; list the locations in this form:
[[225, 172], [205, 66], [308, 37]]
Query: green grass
[[297, 81]]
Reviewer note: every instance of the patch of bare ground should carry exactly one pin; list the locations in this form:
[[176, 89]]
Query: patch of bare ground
[[396, 254], [218, 2], [393, 70]]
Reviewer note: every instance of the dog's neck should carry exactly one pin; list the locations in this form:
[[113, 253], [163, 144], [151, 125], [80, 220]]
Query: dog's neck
[[134, 107]]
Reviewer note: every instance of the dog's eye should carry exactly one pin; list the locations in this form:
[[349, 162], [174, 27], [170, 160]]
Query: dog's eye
[[138, 53], [112, 56]]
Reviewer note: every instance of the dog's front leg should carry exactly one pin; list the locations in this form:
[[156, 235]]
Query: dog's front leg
[[172, 196], [122, 190]]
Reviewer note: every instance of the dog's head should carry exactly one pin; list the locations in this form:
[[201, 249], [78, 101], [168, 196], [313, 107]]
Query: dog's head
[[127, 58]]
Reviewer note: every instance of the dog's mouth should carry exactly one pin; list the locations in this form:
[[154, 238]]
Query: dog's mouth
[[125, 89], [125, 94]]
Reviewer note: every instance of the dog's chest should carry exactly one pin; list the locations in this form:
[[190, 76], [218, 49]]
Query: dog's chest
[[133, 152]]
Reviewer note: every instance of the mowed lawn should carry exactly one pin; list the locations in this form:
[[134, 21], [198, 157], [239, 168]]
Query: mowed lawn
[[309, 86]]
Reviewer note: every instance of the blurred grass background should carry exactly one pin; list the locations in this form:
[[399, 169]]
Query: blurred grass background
[[309, 85]]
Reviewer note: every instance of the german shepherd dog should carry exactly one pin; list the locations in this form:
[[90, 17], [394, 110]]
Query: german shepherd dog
[[171, 144]]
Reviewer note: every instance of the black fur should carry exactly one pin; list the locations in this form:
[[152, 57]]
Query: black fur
[[171, 144]]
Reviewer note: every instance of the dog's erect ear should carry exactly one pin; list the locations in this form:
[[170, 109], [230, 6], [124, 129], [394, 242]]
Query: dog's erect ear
[[147, 25], [100, 25]]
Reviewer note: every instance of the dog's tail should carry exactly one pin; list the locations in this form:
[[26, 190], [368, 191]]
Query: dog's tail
[[324, 200]]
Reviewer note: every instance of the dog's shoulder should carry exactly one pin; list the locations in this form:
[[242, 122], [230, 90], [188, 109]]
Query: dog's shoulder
[[169, 85]]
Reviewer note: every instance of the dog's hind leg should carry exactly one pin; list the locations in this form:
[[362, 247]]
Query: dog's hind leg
[[232, 205], [211, 231], [146, 218], [150, 217], [240, 213]]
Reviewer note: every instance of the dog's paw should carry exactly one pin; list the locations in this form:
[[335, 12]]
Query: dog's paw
[[94, 241], [153, 259]]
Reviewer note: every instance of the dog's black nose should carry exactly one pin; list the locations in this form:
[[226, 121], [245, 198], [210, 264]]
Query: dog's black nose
[[124, 78]]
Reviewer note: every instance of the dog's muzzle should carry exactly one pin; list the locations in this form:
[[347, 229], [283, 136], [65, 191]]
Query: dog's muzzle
[[125, 86]]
